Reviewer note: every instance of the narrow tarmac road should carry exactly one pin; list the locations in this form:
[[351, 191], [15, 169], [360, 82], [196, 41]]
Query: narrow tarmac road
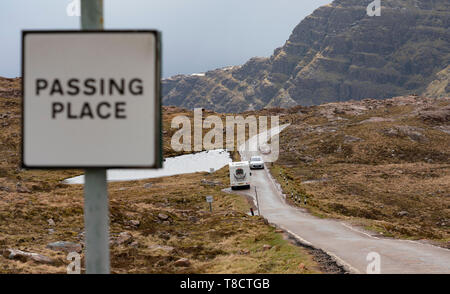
[[349, 246]]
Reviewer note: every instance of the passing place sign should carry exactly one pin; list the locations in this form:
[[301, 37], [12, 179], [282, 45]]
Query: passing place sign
[[91, 99]]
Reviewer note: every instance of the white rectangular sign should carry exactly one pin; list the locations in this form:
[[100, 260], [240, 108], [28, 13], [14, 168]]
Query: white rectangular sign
[[91, 99]]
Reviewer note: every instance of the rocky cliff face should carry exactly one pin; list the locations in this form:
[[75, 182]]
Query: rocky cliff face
[[337, 53]]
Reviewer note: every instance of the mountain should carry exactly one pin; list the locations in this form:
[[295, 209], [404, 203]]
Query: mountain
[[337, 53]]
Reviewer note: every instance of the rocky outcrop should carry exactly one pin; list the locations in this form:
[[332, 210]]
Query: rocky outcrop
[[24, 256], [439, 88], [337, 53], [65, 246]]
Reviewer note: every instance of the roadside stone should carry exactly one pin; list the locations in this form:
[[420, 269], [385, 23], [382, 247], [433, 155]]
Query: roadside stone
[[65, 246], [306, 158], [244, 252], [266, 247], [124, 238], [402, 213], [135, 223], [302, 266], [210, 183], [168, 249], [351, 139], [163, 216], [23, 256], [182, 262]]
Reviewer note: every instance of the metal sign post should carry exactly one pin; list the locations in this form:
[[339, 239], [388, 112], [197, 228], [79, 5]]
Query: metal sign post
[[257, 201], [96, 204], [209, 199], [92, 14], [96, 221]]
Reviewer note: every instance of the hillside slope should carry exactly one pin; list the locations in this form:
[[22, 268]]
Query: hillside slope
[[337, 53], [382, 164]]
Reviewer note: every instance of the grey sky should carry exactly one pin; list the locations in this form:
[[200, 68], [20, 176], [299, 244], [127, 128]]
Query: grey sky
[[198, 35]]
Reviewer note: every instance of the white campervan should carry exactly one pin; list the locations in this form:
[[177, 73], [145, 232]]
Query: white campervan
[[240, 175]]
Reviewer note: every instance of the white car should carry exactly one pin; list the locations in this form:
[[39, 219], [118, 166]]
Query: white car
[[256, 162]]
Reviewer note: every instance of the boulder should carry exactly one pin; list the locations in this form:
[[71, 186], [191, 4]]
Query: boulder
[[436, 115], [244, 252], [167, 249], [65, 246], [376, 120], [182, 262], [267, 247], [124, 238], [26, 256], [210, 183], [413, 133], [135, 223], [163, 216], [306, 158], [351, 139], [402, 213]]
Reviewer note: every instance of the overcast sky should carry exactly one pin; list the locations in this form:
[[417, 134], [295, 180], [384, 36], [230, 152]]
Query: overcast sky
[[198, 35]]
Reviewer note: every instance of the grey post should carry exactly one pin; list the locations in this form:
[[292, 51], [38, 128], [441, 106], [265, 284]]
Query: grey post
[[257, 201], [96, 204], [96, 221], [92, 14]]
